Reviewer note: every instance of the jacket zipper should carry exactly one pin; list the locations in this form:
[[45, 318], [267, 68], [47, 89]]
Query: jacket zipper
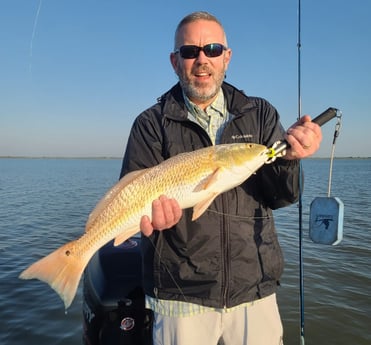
[[225, 253], [225, 235], [224, 230]]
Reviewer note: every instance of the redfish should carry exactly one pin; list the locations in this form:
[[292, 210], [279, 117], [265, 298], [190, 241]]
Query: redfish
[[194, 179]]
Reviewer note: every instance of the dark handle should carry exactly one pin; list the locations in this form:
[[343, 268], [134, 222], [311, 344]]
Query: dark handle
[[320, 120], [326, 116]]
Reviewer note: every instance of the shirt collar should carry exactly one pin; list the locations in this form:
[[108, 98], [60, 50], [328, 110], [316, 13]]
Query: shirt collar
[[217, 105]]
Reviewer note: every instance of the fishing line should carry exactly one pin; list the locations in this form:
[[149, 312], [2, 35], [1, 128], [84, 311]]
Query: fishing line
[[166, 269], [336, 134], [236, 216]]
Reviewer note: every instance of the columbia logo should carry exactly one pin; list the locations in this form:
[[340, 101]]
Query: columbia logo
[[242, 136]]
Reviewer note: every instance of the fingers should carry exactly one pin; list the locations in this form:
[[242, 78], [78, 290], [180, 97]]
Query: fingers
[[146, 226], [304, 138], [165, 214]]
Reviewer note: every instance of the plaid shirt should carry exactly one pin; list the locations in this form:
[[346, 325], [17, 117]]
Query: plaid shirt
[[183, 309], [213, 120]]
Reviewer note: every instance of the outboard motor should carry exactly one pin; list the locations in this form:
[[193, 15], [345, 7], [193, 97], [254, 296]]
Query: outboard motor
[[113, 306]]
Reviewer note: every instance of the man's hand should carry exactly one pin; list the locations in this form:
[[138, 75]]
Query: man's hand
[[165, 214], [304, 138]]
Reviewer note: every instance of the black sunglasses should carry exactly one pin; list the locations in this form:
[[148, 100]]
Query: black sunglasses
[[192, 52]]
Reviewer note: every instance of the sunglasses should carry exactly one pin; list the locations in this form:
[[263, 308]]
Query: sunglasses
[[192, 52]]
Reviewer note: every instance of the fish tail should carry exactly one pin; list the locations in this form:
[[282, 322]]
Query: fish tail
[[61, 270]]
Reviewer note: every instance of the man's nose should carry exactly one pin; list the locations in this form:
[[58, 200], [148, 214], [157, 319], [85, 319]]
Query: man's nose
[[202, 58]]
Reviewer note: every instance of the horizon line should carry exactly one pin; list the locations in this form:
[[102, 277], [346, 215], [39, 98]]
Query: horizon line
[[116, 157]]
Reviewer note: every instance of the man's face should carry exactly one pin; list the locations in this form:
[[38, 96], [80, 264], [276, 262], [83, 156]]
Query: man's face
[[201, 77]]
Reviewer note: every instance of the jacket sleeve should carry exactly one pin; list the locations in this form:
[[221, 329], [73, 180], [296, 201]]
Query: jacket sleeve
[[144, 146], [280, 182], [280, 179]]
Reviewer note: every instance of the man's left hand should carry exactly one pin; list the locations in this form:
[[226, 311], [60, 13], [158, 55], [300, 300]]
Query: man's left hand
[[304, 138]]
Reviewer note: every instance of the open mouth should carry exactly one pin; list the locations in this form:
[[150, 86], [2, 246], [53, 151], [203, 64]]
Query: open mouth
[[202, 75]]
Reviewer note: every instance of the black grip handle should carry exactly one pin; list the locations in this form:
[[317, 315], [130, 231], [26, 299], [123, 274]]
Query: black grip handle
[[326, 116], [320, 120]]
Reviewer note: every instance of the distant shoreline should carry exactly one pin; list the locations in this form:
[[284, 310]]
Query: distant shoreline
[[108, 157], [56, 157]]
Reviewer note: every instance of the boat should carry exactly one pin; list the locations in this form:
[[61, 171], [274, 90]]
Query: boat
[[113, 299]]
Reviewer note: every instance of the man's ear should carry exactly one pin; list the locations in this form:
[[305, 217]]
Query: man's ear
[[227, 57], [174, 61]]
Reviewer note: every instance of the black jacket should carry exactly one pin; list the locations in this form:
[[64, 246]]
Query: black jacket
[[231, 254]]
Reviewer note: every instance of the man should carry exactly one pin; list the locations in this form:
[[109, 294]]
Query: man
[[214, 279]]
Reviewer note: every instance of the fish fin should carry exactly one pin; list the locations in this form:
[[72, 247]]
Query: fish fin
[[209, 181], [201, 207], [110, 195], [61, 270], [126, 235]]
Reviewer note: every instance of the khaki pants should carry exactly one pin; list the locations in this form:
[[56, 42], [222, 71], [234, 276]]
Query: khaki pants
[[256, 324]]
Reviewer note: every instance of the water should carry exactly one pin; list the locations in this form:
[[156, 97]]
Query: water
[[45, 202], [337, 278]]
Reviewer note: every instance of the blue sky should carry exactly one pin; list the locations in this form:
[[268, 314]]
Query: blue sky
[[75, 74]]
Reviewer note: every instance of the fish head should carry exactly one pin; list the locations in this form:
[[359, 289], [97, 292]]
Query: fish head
[[239, 154], [241, 160]]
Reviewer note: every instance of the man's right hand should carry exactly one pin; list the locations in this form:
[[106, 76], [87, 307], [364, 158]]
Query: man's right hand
[[165, 214]]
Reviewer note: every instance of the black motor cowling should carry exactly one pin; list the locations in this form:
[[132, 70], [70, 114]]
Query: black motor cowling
[[113, 306]]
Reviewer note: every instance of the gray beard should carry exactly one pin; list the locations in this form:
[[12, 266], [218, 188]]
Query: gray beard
[[194, 93]]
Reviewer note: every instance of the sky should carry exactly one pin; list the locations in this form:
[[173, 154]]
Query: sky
[[74, 74]]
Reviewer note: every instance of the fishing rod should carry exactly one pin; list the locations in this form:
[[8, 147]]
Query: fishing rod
[[301, 263], [275, 151], [320, 120]]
